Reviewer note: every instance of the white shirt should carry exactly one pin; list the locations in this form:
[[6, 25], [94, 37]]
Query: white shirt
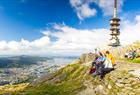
[[108, 63]]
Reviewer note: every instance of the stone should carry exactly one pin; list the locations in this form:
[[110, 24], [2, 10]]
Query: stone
[[128, 88], [132, 93], [109, 86], [120, 84], [134, 83], [126, 91], [120, 80], [127, 85], [127, 81], [99, 89], [136, 72], [136, 86]]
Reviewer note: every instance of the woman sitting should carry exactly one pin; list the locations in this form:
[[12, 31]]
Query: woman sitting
[[107, 68]]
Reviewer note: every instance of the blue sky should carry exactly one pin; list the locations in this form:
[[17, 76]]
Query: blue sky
[[23, 18], [26, 19]]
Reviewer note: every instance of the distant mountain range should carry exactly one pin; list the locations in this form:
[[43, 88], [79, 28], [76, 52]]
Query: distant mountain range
[[19, 61], [24, 60]]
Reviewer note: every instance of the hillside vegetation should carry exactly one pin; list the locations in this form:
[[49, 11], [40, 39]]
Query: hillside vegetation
[[13, 88]]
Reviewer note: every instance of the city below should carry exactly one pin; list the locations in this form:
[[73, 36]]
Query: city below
[[22, 69]]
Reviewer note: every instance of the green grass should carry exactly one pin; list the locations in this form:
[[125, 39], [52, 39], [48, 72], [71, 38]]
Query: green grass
[[136, 60], [67, 81], [65, 88]]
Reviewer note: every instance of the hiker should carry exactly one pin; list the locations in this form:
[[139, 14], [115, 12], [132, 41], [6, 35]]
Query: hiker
[[98, 64], [93, 69], [96, 51], [126, 55], [101, 59], [108, 67], [110, 56], [133, 54]]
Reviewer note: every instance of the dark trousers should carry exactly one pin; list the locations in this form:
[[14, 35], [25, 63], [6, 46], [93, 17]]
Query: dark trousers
[[104, 71], [98, 67]]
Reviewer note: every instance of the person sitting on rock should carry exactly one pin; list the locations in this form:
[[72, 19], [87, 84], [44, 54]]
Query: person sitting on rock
[[93, 69], [98, 63], [110, 56], [133, 54], [107, 68], [126, 55]]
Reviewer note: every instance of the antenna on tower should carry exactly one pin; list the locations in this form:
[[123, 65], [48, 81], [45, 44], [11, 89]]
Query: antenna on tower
[[115, 8]]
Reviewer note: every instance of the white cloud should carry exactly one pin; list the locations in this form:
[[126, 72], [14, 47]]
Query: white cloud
[[107, 6], [130, 30], [3, 45], [84, 10], [13, 45], [69, 41], [72, 41], [42, 42], [25, 46]]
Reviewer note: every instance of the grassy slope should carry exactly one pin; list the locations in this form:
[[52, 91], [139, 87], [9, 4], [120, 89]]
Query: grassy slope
[[136, 60], [67, 81]]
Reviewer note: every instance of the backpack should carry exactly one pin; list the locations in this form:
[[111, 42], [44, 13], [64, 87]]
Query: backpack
[[92, 70]]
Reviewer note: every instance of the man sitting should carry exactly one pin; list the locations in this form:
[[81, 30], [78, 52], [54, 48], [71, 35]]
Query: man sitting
[[98, 63]]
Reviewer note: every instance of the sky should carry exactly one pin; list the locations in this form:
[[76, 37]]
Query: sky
[[63, 27]]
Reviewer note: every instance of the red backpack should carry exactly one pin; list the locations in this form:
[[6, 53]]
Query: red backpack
[[92, 70]]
